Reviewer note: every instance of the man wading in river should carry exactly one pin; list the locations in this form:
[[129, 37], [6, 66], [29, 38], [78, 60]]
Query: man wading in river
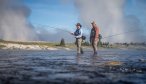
[[94, 36], [78, 35]]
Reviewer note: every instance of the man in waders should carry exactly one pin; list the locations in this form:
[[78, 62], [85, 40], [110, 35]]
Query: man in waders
[[94, 36], [78, 35]]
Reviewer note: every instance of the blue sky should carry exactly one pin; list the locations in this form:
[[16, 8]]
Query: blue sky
[[52, 12], [134, 8], [137, 8]]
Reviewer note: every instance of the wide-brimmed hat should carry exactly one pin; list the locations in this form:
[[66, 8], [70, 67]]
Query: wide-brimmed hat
[[78, 24], [93, 22]]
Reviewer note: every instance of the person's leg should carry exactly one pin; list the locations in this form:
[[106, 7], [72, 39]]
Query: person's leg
[[81, 49], [78, 46], [92, 43], [82, 52], [95, 46]]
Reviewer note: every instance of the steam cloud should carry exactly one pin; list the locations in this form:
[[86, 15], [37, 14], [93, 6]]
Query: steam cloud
[[109, 15], [112, 19], [14, 24]]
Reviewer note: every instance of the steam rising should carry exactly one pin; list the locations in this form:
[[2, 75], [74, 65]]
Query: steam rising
[[13, 21], [111, 19], [110, 16]]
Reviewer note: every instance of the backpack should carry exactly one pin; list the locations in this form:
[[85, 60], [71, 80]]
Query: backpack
[[84, 37]]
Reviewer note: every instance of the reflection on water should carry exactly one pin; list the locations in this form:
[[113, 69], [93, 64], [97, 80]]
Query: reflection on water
[[92, 60], [112, 66]]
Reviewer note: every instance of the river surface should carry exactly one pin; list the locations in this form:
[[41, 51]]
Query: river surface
[[109, 66]]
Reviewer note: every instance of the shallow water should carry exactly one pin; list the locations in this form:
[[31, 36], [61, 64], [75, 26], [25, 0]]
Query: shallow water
[[109, 66]]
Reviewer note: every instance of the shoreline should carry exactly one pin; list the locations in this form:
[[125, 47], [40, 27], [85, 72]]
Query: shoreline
[[54, 46]]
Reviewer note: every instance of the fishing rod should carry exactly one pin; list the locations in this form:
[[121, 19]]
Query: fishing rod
[[59, 29], [83, 37], [55, 28]]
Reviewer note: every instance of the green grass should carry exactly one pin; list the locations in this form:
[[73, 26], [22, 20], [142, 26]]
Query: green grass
[[1, 40], [30, 43], [2, 46]]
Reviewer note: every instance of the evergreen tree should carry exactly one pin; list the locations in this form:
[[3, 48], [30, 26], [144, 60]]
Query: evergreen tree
[[100, 43], [62, 42]]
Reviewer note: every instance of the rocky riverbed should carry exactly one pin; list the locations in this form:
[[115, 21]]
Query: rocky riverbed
[[110, 66]]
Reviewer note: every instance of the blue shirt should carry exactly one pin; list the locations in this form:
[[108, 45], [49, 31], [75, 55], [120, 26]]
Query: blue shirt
[[78, 33]]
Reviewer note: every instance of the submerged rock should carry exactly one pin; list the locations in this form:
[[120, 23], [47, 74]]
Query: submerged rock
[[113, 63], [142, 60]]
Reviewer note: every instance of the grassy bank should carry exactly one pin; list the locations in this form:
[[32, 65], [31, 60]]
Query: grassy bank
[[2, 46], [33, 45], [30, 43]]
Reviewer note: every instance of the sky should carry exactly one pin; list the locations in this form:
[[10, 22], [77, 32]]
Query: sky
[[33, 20], [58, 13]]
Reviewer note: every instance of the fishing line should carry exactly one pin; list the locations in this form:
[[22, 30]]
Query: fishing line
[[47, 26], [121, 34]]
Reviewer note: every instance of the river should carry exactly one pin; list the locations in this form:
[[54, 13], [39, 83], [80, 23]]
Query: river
[[109, 66]]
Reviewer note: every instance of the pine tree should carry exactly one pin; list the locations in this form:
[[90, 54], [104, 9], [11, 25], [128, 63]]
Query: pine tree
[[100, 43], [62, 42]]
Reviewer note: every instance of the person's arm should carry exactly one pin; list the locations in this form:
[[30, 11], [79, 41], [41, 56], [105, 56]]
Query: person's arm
[[72, 33], [80, 35]]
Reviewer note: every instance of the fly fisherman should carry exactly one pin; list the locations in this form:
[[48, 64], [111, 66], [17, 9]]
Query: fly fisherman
[[78, 35], [94, 36]]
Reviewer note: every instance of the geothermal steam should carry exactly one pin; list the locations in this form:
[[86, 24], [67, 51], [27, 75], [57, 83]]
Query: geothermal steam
[[13, 21], [109, 16]]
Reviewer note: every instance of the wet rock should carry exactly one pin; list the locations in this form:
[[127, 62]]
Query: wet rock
[[142, 60], [114, 63]]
